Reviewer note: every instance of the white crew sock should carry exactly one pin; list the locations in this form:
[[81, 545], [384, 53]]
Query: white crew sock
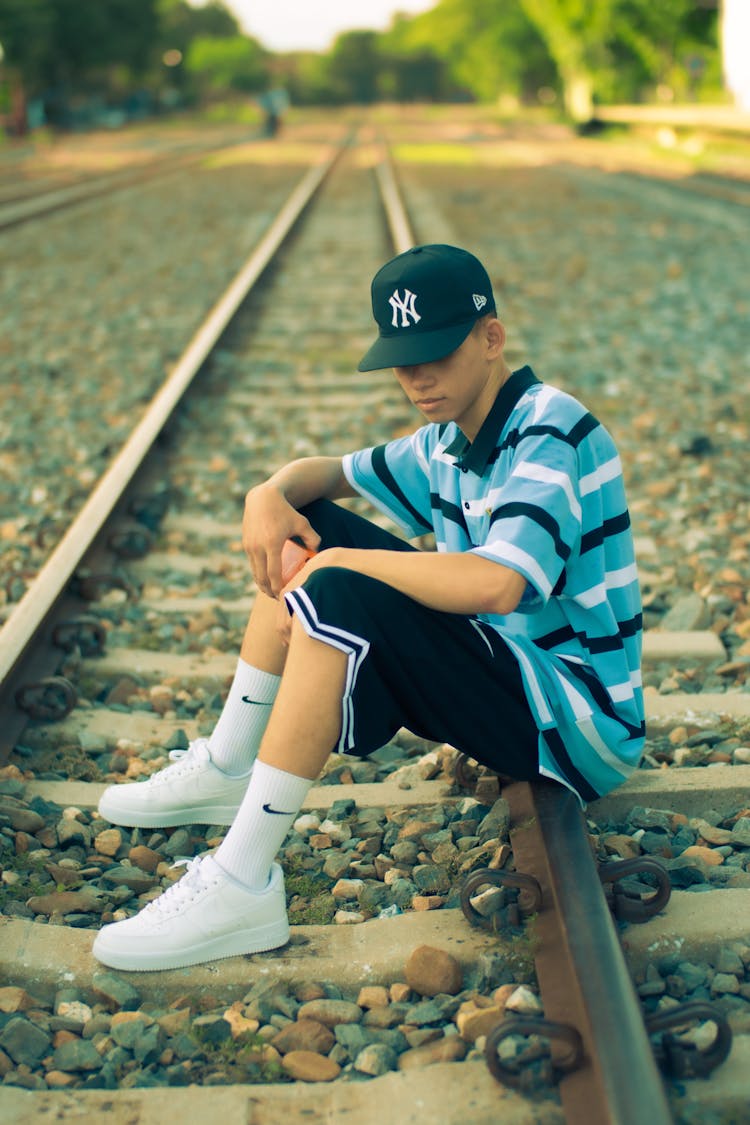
[[269, 807], [235, 740]]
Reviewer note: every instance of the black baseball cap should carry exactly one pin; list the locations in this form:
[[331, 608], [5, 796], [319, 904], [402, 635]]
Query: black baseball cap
[[425, 303]]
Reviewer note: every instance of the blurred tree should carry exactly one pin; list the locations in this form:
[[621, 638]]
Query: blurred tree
[[55, 47], [576, 33], [222, 65], [488, 48], [354, 66], [179, 23]]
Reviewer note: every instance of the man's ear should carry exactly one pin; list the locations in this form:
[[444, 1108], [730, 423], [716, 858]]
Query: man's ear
[[495, 337]]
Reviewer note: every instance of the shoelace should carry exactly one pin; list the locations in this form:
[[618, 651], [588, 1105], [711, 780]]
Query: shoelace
[[175, 897], [179, 764]]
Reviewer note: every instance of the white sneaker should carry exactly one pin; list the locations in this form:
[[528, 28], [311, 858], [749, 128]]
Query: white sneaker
[[190, 791], [204, 916]]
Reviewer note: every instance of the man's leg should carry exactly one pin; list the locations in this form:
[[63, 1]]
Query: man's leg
[[234, 902], [206, 783], [302, 730]]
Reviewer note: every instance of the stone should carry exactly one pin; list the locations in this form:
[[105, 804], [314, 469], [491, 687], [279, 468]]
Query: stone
[[376, 1059], [524, 1001], [741, 832], [688, 612], [373, 996], [446, 1049], [22, 819], [74, 1010], [67, 902], [624, 846], [710, 833], [431, 879], [348, 889], [481, 1021], [307, 824], [178, 844], [348, 917], [72, 831], [77, 1054], [307, 1066], [724, 983], [330, 1012], [427, 902], [430, 971], [336, 865], [709, 855], [114, 992], [146, 859], [62, 875], [304, 1035], [26, 1043], [496, 822], [13, 998], [131, 877], [650, 819], [238, 1023], [108, 842], [172, 1023]]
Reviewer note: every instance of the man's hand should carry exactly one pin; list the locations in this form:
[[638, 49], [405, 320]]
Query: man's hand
[[270, 520]]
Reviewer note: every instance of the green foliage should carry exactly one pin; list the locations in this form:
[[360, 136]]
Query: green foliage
[[578, 51], [222, 65]]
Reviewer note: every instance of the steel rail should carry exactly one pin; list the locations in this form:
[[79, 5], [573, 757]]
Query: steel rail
[[38, 602], [15, 211], [580, 965], [399, 227]]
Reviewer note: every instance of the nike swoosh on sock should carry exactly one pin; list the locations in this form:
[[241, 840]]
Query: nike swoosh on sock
[[260, 702], [277, 812]]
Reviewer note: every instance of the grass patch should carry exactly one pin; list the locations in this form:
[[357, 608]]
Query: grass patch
[[242, 1059]]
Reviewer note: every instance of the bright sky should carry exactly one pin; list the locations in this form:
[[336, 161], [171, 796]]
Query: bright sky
[[290, 25]]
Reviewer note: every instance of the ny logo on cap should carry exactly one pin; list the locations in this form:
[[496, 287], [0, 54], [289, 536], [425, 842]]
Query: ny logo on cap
[[405, 306]]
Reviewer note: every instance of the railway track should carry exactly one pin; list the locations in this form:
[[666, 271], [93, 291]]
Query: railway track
[[23, 203], [158, 570]]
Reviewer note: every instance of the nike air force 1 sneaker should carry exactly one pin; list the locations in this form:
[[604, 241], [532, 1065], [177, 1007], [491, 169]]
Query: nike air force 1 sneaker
[[204, 916], [192, 790]]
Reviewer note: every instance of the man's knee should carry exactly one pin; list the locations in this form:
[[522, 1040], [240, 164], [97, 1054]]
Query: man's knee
[[343, 597]]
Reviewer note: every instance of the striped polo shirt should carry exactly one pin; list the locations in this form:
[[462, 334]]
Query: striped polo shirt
[[539, 490]]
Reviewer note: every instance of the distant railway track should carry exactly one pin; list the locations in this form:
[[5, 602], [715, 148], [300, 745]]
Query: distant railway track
[[104, 647], [19, 206]]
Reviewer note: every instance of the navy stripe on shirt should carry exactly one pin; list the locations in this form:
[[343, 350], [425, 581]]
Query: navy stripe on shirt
[[386, 477], [539, 516]]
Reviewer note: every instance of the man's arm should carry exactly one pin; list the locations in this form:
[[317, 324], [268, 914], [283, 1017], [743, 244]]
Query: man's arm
[[456, 582], [271, 514]]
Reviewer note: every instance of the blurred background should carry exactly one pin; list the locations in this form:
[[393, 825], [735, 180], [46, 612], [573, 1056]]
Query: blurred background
[[77, 65]]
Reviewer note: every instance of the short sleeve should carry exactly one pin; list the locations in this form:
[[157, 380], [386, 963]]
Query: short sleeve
[[395, 478]]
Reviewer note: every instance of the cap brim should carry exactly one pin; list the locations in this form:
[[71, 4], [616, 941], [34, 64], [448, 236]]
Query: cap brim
[[407, 351]]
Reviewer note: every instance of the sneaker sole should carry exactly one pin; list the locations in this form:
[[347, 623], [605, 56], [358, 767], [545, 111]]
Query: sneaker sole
[[272, 936], [205, 814]]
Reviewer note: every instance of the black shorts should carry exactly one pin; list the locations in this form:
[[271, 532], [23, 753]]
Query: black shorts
[[444, 676]]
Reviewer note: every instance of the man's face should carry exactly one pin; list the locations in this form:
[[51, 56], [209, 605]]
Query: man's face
[[457, 388]]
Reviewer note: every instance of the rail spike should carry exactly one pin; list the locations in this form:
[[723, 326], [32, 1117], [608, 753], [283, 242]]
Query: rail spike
[[550, 1070], [628, 906], [682, 1059], [527, 902], [50, 699]]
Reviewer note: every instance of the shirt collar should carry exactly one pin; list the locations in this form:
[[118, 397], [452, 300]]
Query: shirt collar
[[475, 455]]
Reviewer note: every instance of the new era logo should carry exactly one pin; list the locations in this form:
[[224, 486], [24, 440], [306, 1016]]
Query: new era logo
[[479, 301], [405, 306]]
